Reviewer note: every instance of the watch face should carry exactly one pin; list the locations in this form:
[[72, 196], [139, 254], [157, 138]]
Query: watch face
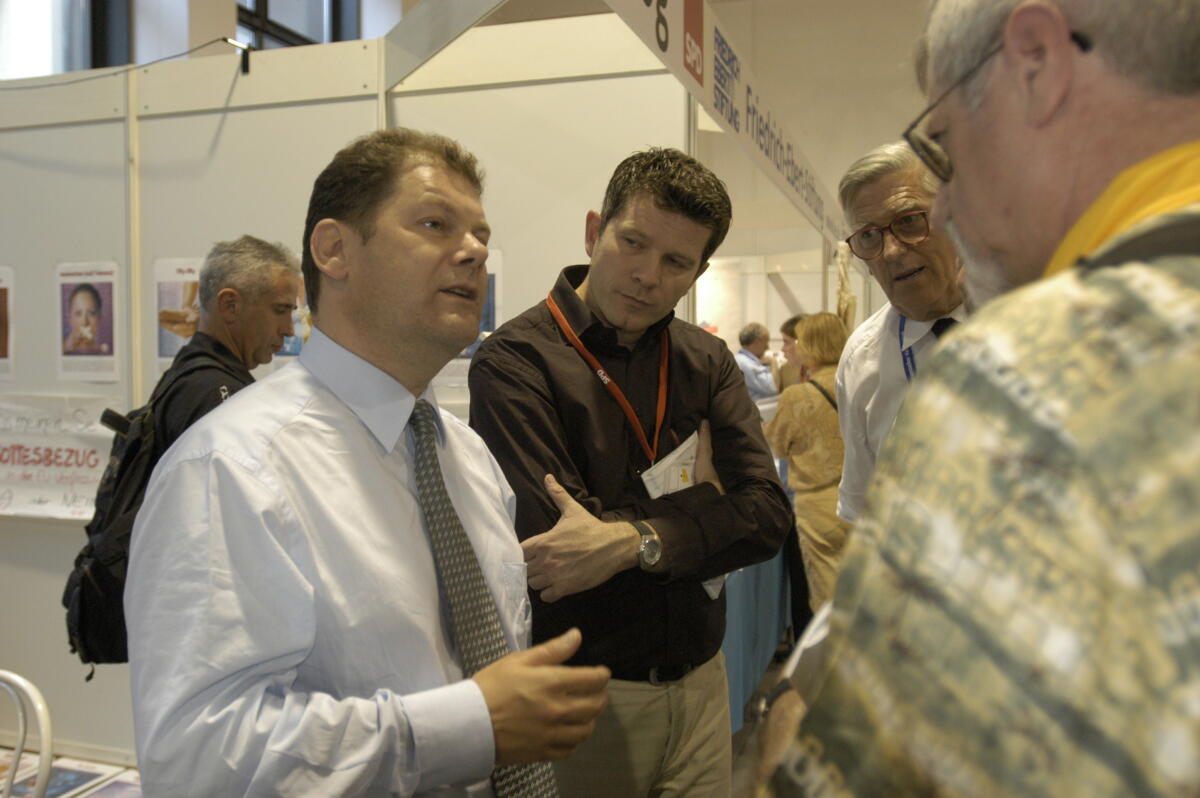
[[651, 550]]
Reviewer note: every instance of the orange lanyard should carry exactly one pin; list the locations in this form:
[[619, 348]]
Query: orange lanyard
[[611, 384]]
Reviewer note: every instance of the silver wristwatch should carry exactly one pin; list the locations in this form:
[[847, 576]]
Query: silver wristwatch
[[650, 550]]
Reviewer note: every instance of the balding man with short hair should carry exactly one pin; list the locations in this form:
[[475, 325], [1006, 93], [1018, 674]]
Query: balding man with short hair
[[760, 381], [1016, 613]]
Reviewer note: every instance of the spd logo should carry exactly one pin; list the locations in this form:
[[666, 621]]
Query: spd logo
[[693, 38]]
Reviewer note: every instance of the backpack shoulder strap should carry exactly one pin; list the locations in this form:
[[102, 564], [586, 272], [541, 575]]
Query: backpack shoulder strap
[[190, 365]]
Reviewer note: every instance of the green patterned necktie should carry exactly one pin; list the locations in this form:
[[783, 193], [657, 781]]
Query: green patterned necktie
[[474, 620]]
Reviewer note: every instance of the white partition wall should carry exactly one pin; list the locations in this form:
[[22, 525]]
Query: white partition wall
[[214, 175], [63, 201], [549, 150]]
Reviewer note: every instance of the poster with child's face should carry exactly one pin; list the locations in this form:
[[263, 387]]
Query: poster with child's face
[[86, 328], [87, 313]]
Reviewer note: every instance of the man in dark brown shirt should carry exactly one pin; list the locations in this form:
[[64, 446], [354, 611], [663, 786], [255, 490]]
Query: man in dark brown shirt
[[578, 398]]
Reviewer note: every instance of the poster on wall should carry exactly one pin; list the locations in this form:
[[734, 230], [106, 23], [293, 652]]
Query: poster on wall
[[53, 451], [87, 294], [7, 284], [177, 292]]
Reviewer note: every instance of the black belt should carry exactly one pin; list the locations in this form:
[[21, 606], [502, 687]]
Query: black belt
[[660, 674]]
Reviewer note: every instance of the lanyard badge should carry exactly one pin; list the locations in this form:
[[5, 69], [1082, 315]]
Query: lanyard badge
[[611, 385]]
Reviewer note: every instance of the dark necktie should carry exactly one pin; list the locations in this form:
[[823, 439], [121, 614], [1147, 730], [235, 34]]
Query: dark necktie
[[474, 620], [941, 325]]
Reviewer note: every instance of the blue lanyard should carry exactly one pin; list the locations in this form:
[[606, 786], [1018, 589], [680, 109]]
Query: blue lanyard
[[907, 358]]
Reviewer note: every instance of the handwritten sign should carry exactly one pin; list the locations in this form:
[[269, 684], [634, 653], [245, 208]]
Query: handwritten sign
[[53, 451]]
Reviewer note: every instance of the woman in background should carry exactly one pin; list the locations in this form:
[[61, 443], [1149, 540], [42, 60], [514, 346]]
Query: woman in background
[[805, 431], [790, 372]]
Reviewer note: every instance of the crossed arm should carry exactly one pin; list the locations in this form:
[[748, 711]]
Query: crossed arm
[[736, 515]]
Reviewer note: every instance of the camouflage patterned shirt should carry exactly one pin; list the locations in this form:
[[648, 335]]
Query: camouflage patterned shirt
[[1018, 612]]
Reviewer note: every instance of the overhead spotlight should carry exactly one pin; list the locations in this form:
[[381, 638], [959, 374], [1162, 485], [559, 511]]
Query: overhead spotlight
[[245, 48]]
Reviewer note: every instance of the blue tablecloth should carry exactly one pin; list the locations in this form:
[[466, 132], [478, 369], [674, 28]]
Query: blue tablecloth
[[756, 615]]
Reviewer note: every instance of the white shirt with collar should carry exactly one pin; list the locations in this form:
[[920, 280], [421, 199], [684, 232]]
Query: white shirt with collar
[[872, 379], [287, 636]]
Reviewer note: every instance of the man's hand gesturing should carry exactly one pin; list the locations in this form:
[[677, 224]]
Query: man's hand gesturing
[[540, 708], [580, 551]]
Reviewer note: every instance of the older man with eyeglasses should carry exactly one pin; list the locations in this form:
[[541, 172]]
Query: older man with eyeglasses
[[1018, 612], [886, 196]]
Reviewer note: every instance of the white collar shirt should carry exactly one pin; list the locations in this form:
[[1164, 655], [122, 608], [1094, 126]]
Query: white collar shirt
[[872, 379], [287, 634]]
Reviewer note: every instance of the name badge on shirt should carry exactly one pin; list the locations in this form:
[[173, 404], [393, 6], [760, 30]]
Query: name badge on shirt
[[672, 473]]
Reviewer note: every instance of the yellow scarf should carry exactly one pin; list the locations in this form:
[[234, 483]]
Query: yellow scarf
[[1162, 183]]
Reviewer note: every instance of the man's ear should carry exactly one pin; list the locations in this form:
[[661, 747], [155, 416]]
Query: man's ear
[[591, 231], [229, 305], [1038, 47], [329, 243]]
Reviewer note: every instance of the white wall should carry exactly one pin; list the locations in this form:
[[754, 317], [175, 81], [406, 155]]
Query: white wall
[[555, 145], [65, 202], [740, 289]]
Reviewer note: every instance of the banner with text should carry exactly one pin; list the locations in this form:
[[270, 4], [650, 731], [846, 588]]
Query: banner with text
[[688, 39], [53, 451]]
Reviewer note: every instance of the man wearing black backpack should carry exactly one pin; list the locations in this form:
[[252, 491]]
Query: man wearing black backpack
[[248, 291]]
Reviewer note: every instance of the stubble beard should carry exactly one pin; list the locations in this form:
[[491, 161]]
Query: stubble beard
[[986, 278]]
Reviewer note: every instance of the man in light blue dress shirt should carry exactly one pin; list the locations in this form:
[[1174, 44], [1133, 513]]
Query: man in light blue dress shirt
[[760, 381], [287, 631]]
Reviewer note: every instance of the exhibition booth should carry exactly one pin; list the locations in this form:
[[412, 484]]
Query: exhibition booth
[[124, 179]]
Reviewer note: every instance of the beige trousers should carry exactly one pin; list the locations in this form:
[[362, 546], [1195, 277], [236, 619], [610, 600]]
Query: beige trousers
[[657, 741]]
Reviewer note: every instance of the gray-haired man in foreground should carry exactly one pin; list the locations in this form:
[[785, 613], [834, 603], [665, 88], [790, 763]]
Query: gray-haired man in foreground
[[1016, 612]]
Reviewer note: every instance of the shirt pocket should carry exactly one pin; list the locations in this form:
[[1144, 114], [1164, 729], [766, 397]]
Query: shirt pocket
[[515, 580]]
